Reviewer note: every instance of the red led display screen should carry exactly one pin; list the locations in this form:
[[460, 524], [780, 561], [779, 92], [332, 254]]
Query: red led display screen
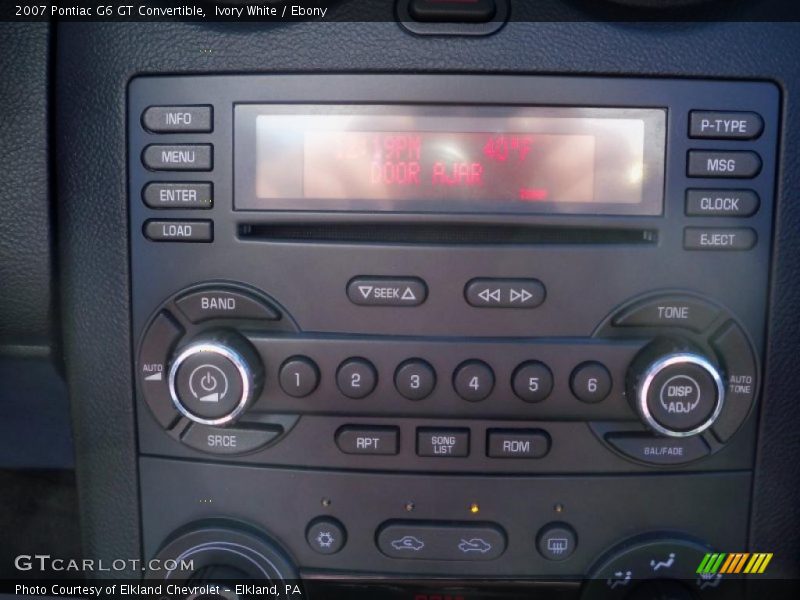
[[450, 159]]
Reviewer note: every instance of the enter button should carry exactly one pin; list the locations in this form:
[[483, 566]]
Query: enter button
[[517, 443]]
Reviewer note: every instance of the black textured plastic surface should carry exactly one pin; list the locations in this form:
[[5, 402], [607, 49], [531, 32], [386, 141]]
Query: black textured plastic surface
[[25, 225], [92, 159]]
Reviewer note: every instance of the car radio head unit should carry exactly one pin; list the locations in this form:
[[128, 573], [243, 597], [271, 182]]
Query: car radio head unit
[[552, 290], [406, 158]]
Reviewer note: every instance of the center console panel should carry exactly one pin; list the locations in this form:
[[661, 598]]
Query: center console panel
[[383, 389]]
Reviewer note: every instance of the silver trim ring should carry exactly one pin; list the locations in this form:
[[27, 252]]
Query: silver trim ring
[[238, 362], [655, 369]]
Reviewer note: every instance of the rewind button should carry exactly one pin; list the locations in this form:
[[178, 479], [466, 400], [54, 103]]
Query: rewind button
[[504, 293]]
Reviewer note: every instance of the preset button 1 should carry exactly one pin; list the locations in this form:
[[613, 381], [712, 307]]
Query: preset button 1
[[299, 376]]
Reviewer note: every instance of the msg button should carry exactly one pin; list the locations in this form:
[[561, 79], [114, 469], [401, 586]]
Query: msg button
[[701, 238]]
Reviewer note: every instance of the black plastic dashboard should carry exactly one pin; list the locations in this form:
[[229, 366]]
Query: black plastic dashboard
[[140, 484]]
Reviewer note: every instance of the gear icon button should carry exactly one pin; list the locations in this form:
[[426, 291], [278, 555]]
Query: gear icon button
[[326, 535], [325, 539]]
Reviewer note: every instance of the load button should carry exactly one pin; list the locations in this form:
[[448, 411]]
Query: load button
[[387, 291]]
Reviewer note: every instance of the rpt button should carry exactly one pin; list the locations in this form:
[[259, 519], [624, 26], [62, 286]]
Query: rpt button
[[362, 440]]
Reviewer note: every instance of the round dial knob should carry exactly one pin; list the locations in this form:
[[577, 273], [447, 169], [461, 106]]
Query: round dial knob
[[679, 394], [219, 551], [213, 380]]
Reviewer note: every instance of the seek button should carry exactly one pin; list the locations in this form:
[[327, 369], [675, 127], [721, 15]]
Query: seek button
[[387, 291]]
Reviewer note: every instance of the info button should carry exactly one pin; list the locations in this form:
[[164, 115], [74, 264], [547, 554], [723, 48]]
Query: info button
[[387, 291]]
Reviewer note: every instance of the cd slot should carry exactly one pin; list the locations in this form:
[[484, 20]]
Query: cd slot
[[446, 234]]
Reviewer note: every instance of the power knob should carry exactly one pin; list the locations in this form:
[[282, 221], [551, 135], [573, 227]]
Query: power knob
[[677, 394], [213, 380]]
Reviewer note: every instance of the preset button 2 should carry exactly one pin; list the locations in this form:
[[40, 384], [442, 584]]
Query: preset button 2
[[356, 378]]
